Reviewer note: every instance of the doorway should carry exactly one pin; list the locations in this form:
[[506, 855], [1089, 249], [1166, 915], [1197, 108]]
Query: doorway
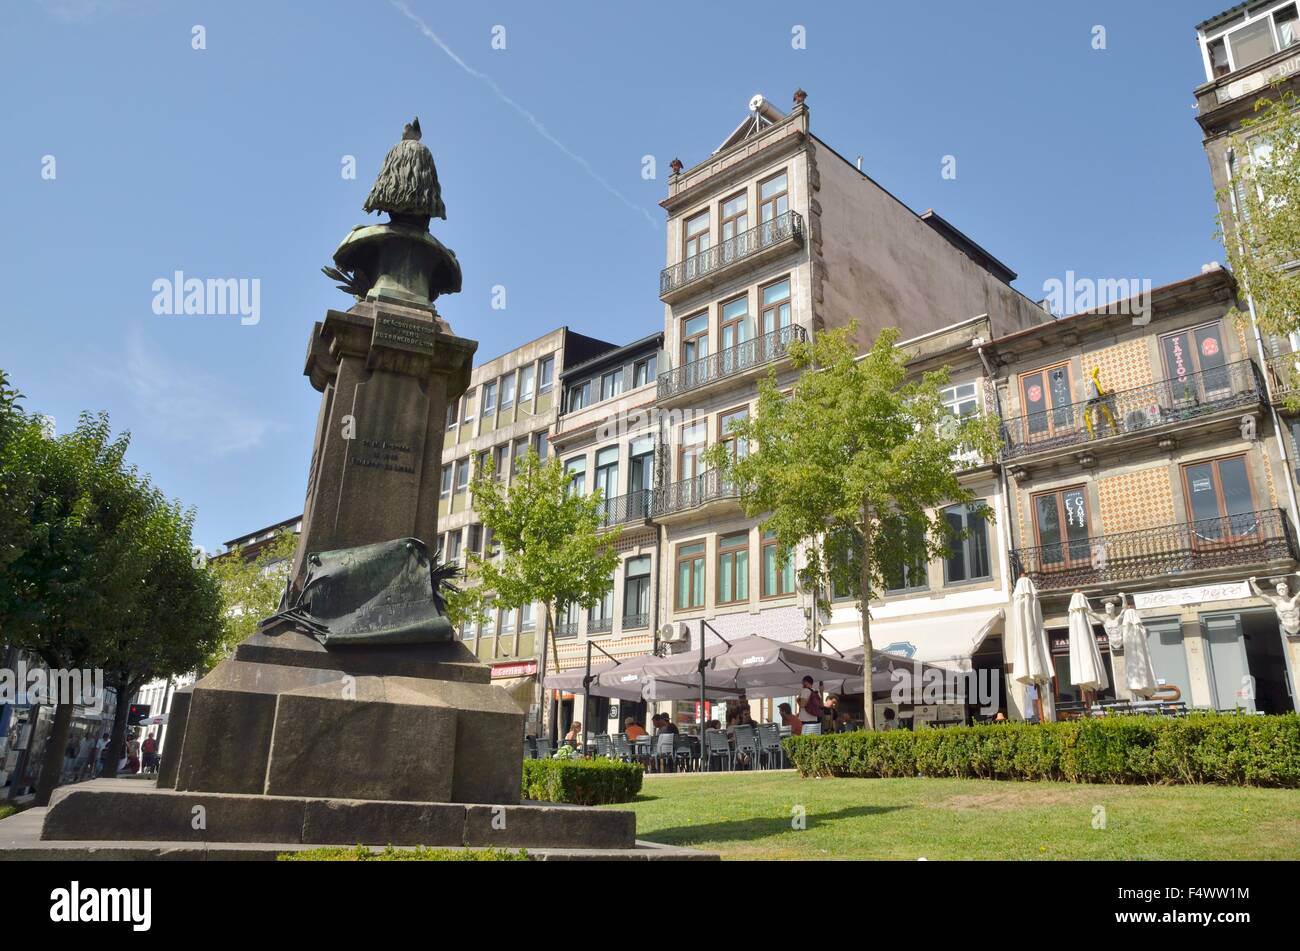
[[1246, 667]]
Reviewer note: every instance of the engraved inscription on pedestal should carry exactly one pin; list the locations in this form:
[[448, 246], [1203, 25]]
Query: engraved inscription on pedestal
[[404, 333]]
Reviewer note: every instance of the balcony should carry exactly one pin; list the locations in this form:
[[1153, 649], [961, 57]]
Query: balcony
[[1237, 541], [758, 243], [1284, 375], [733, 362], [634, 621], [599, 625], [566, 628], [1156, 407], [690, 494], [623, 509]]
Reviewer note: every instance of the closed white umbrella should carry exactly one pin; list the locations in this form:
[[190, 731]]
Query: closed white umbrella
[[1139, 675], [1086, 668], [1031, 662]]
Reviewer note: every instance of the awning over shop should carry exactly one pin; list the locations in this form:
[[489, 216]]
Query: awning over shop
[[945, 640]]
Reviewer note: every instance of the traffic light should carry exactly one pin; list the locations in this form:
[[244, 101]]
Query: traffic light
[[137, 713]]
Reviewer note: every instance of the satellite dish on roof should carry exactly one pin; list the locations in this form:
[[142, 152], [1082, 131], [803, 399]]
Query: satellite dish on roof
[[756, 103]]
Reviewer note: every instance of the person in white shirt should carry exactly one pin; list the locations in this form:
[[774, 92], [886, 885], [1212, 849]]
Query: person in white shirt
[[810, 702]]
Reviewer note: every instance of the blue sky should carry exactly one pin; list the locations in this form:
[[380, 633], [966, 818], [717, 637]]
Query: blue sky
[[226, 162]]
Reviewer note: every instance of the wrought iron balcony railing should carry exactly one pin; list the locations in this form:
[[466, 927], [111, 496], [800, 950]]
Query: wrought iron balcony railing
[[1128, 411], [566, 628], [1284, 374], [689, 493], [633, 621], [744, 356], [600, 625], [626, 508], [788, 226], [1247, 539]]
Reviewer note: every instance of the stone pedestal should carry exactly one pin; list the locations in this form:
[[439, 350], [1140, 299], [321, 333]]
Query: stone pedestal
[[386, 373], [286, 717]]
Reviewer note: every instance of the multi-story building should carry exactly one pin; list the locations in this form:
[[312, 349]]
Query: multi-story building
[[511, 406], [607, 436], [772, 238], [1143, 459]]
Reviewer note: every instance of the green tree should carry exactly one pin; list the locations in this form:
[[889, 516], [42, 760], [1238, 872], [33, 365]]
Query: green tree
[[552, 547], [83, 584], [1262, 234], [850, 465], [251, 583], [174, 622]]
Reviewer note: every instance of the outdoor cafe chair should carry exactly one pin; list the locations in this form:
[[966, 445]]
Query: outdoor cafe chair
[[604, 748], [543, 748], [747, 744], [769, 735], [530, 747], [664, 751], [684, 751], [622, 748], [717, 745]]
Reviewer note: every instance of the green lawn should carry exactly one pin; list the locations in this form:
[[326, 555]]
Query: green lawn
[[751, 816]]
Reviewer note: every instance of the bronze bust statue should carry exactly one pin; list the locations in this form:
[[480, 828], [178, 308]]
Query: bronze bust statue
[[407, 186]]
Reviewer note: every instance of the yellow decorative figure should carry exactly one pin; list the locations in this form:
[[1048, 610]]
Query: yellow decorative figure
[[1097, 401]]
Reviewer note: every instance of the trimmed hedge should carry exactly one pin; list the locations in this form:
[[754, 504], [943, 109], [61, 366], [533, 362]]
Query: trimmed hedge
[[584, 782], [1231, 750]]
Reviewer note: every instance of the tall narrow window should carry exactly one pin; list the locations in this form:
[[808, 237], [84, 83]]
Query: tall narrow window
[[546, 374], [735, 222], [527, 378], [636, 592], [776, 306], [507, 390], [462, 476], [1063, 528], [607, 475], [579, 396], [1047, 396], [611, 384], [643, 372], [1196, 363], [778, 568], [695, 338], [695, 439], [737, 326], [968, 544], [733, 568], [489, 398], [444, 490], [738, 448], [471, 398], [773, 202], [1220, 499], [695, 235], [577, 471], [690, 576], [907, 572]]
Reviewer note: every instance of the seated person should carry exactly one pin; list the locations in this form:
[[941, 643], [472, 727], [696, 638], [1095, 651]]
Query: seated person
[[632, 729], [790, 720]]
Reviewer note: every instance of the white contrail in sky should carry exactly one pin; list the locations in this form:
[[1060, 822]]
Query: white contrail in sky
[[532, 119]]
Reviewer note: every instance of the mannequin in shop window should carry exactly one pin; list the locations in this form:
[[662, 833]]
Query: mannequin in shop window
[[1286, 604]]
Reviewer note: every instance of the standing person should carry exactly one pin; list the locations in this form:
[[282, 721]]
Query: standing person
[[150, 750], [810, 703], [133, 754], [101, 754]]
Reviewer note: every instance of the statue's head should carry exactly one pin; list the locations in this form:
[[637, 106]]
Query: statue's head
[[1283, 590], [1111, 608]]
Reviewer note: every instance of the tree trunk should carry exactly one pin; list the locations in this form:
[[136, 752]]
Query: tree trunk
[[117, 739], [543, 707], [864, 606], [55, 748]]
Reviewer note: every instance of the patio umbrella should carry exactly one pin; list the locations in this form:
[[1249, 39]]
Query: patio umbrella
[[621, 681], [762, 667], [884, 680], [1139, 675], [1031, 662], [1086, 669], [677, 676]]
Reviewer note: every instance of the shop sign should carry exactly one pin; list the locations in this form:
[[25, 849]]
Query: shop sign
[[1178, 597]]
